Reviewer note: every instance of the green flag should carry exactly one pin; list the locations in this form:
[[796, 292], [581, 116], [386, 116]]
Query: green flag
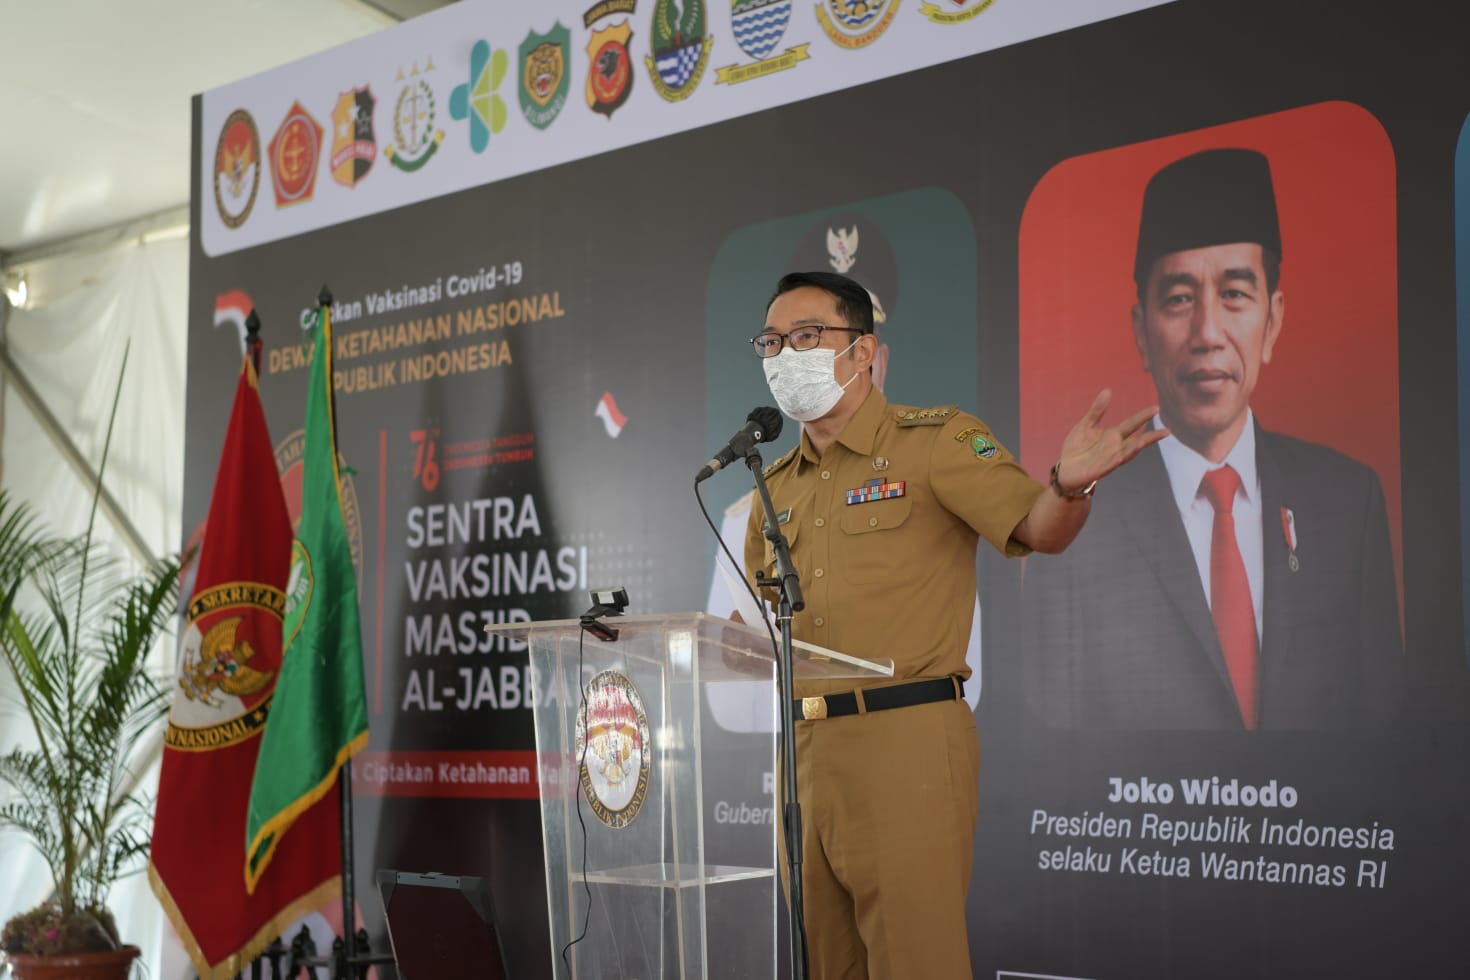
[[318, 719]]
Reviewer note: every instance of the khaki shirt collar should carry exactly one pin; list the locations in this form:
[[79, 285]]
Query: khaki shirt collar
[[861, 431]]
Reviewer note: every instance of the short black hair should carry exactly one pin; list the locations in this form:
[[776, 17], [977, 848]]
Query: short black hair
[[854, 304]]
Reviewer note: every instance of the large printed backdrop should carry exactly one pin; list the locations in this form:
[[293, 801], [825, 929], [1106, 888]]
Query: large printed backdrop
[[531, 371]]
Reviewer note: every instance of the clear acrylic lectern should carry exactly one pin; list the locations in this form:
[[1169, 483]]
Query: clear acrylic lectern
[[682, 877]]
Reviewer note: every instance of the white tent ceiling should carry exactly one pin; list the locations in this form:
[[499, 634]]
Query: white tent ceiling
[[94, 188], [96, 97]]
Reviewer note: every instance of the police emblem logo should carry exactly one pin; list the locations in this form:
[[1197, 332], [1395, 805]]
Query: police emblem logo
[[296, 149], [236, 168], [856, 23], [758, 26], [354, 146], [415, 138], [680, 48], [545, 80], [614, 751], [228, 661], [289, 454], [610, 68]]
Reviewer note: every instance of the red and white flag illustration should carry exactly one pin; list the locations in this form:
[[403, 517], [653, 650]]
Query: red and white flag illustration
[[612, 419], [232, 309]]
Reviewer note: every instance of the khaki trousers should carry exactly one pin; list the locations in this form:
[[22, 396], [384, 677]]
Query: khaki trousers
[[888, 803]]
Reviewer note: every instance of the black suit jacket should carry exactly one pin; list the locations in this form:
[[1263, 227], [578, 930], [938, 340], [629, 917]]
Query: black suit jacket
[[1117, 631]]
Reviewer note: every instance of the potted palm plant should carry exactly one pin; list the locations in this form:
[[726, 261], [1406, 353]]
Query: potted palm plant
[[76, 628]]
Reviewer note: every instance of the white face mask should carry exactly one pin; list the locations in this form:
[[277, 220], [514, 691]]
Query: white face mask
[[804, 382]]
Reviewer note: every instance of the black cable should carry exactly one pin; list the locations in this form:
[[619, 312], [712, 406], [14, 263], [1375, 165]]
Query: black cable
[[581, 764], [739, 567]]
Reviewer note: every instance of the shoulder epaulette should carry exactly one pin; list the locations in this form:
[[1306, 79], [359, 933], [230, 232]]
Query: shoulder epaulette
[[906, 417], [782, 461]]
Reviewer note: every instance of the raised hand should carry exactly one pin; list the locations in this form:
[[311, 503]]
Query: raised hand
[[1090, 451]]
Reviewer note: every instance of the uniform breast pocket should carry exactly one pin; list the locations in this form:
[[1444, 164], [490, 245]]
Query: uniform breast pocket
[[871, 539]]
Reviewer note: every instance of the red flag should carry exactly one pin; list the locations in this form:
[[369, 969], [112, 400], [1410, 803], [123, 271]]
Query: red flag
[[229, 659]]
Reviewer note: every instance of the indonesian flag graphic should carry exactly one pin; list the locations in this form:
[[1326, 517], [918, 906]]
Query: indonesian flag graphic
[[612, 419], [232, 309]]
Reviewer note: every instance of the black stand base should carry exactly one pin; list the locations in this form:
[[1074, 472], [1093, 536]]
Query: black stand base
[[304, 956]]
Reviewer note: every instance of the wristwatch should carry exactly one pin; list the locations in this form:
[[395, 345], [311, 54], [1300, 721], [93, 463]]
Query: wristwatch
[[1060, 491]]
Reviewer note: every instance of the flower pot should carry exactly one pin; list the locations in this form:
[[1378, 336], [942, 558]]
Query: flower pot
[[112, 964]]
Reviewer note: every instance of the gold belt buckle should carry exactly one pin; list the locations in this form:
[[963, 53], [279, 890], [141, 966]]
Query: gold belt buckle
[[813, 709]]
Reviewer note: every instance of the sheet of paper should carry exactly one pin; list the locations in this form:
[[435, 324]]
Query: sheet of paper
[[744, 604]]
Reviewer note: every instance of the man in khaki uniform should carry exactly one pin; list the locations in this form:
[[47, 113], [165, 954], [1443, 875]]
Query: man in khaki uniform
[[884, 506]]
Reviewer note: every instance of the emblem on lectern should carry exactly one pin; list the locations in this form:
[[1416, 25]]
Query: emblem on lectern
[[613, 748]]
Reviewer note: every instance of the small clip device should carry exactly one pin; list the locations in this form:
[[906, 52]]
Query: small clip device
[[605, 602]]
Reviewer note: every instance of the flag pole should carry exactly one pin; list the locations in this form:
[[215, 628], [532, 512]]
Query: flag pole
[[349, 917], [351, 964], [344, 774], [253, 343]]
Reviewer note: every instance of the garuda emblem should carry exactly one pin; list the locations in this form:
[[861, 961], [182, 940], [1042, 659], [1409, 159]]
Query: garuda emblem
[[842, 246], [612, 740], [223, 664], [236, 168]]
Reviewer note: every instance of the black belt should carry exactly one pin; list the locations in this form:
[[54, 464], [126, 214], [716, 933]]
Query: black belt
[[879, 698]]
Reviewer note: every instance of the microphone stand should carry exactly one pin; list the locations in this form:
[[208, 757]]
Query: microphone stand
[[789, 588]]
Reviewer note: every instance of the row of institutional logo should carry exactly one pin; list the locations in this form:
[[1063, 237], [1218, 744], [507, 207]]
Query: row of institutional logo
[[680, 53]]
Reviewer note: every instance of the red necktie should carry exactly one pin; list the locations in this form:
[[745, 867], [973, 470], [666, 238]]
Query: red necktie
[[1230, 592]]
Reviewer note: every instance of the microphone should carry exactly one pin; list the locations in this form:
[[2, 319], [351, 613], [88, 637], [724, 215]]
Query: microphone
[[762, 425]]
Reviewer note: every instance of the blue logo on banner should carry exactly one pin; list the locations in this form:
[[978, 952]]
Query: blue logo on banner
[[679, 48], [676, 67], [478, 100], [759, 25]]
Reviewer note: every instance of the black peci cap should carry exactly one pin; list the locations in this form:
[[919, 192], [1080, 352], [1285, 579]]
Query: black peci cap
[[1210, 198]]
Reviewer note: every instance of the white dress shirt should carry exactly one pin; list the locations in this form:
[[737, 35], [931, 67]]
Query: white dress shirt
[[1186, 468]]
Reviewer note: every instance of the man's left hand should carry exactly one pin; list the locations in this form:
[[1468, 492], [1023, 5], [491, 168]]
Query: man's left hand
[[1090, 451]]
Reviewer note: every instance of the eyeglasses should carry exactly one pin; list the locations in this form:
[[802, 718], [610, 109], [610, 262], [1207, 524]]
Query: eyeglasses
[[768, 343]]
